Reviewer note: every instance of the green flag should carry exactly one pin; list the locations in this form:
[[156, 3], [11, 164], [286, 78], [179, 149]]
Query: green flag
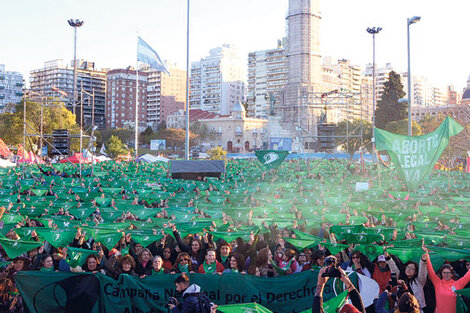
[[243, 308], [77, 256], [337, 302], [57, 238], [415, 156], [271, 158], [14, 248]]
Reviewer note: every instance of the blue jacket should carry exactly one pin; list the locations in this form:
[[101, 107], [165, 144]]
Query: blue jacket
[[190, 302]]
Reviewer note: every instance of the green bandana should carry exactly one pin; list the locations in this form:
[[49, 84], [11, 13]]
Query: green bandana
[[209, 269], [160, 272], [183, 268], [43, 269]]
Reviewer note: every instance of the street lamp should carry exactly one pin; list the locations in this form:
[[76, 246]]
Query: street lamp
[[186, 150], [373, 31], [409, 21], [75, 24]]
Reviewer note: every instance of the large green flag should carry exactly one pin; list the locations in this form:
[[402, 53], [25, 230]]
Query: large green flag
[[271, 158], [415, 156], [337, 302]]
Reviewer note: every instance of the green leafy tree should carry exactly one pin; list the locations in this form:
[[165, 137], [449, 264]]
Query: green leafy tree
[[401, 127], [389, 109], [115, 147], [353, 144], [217, 153], [175, 138]]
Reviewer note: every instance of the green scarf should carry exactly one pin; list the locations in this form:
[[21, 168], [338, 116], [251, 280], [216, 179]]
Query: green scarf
[[154, 272], [209, 269], [43, 269], [183, 268], [223, 258], [235, 271]]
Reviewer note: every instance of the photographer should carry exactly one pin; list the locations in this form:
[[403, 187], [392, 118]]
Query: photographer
[[331, 269], [193, 300]]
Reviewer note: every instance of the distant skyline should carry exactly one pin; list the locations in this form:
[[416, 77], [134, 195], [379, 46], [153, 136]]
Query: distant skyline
[[35, 31]]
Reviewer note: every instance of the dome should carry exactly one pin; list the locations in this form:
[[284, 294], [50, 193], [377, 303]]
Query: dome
[[466, 94], [238, 107]]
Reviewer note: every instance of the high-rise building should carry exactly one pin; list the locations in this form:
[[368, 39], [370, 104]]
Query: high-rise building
[[217, 81], [424, 92], [11, 88], [166, 94], [267, 75], [453, 96], [55, 75], [381, 76], [121, 100]]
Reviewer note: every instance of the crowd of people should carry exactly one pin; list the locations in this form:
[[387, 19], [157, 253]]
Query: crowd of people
[[267, 249]]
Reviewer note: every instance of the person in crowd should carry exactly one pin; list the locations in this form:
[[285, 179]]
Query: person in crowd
[[384, 268], [414, 277], [117, 265], [211, 265], [193, 300], [236, 264], [18, 264], [304, 264], [157, 265], [10, 300], [356, 306], [223, 253], [92, 264], [445, 282], [264, 266], [317, 259], [196, 248], [407, 303], [168, 257], [144, 265], [361, 264], [289, 264], [182, 264]]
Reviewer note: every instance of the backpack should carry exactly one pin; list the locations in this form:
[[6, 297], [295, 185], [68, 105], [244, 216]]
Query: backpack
[[204, 302]]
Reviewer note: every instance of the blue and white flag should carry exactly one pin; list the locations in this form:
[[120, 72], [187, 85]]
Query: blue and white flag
[[146, 54]]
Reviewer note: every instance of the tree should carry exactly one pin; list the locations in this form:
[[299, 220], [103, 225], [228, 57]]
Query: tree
[[353, 144], [388, 108], [217, 153], [53, 117], [202, 131], [115, 147], [401, 127], [175, 138]]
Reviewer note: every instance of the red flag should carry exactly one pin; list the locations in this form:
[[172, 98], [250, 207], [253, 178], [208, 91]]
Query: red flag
[[4, 151]]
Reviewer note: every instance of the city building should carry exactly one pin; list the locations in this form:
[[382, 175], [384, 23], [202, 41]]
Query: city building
[[381, 76], [235, 132], [121, 99], [453, 97], [267, 75], [424, 92], [166, 94], [11, 88], [217, 81], [55, 79], [178, 119]]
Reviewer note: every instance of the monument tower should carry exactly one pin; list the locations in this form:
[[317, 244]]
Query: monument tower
[[292, 116]]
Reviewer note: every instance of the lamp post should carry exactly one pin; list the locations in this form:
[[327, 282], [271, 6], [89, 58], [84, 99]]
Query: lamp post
[[373, 31], [186, 152], [75, 24], [409, 21]]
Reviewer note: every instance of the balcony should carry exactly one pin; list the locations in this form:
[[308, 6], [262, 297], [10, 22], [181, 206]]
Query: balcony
[[238, 133]]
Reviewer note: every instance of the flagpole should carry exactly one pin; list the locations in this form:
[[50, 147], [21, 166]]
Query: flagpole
[[136, 125], [186, 152]]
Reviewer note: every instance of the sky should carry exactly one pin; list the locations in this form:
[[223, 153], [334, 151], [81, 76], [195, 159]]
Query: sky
[[35, 31]]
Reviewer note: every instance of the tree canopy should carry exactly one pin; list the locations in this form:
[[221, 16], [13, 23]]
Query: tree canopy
[[353, 144], [389, 109]]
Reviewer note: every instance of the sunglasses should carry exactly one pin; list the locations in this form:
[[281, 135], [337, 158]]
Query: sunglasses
[[184, 260]]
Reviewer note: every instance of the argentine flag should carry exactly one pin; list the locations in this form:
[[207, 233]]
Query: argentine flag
[[147, 55]]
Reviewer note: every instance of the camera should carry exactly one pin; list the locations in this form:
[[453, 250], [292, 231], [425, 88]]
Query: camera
[[331, 263], [171, 300], [393, 280]]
